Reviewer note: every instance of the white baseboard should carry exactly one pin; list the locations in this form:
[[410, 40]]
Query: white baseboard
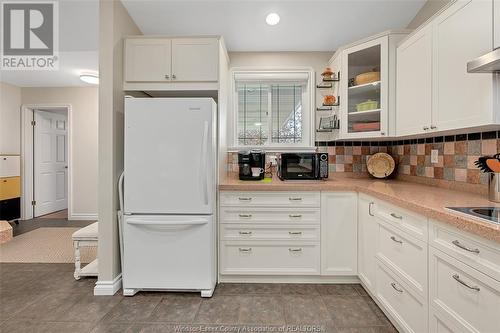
[[82, 217], [108, 288], [288, 279]]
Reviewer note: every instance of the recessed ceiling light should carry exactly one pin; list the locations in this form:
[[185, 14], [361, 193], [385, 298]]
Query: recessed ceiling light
[[90, 78], [272, 19]]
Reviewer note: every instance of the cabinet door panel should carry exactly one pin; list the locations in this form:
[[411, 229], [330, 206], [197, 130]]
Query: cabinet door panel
[[147, 60], [367, 241], [414, 84], [339, 233], [195, 59], [461, 33]]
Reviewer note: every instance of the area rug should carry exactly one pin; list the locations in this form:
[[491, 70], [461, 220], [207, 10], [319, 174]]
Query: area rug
[[45, 245]]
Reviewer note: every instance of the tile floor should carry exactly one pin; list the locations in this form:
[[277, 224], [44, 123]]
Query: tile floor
[[46, 298]]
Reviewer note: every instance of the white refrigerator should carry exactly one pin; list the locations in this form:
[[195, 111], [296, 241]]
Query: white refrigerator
[[168, 231]]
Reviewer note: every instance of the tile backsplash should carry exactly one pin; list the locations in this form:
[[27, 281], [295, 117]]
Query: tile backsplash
[[456, 156]]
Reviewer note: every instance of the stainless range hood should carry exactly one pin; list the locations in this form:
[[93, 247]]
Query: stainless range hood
[[488, 63]]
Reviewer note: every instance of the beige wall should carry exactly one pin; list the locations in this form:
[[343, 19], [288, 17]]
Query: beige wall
[[114, 24], [10, 119], [430, 8], [84, 102]]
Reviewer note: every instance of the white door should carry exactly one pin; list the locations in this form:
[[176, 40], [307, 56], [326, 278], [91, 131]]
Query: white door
[[195, 59], [170, 155], [414, 84], [147, 60], [464, 31], [339, 233], [50, 162]]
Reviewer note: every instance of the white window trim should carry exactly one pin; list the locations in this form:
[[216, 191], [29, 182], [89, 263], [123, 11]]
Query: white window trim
[[308, 116]]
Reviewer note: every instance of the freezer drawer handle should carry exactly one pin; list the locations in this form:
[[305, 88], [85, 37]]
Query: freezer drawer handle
[[463, 247], [166, 223], [463, 283]]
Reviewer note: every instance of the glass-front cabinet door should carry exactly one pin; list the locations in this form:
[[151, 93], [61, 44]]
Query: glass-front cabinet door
[[364, 112]]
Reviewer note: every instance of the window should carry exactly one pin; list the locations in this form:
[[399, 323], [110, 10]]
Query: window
[[272, 109]]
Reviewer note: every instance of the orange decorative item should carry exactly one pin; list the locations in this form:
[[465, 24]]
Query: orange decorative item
[[327, 74], [329, 100]]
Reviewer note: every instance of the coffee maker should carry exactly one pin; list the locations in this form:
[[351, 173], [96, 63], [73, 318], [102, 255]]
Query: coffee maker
[[251, 164]]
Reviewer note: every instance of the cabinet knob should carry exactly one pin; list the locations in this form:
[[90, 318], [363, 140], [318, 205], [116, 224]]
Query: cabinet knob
[[174, 77], [382, 133], [425, 128], [167, 76], [433, 126]]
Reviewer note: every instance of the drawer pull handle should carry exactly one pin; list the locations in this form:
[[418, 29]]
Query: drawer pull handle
[[295, 199], [245, 232], [247, 249], [396, 216], [295, 249], [245, 199], [295, 232], [246, 216], [463, 247], [370, 209], [295, 215], [463, 283], [396, 288], [396, 240]]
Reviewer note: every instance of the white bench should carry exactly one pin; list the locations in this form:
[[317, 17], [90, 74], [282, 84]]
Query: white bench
[[85, 237]]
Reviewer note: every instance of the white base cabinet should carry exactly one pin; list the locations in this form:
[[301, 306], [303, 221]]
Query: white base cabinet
[[288, 233]]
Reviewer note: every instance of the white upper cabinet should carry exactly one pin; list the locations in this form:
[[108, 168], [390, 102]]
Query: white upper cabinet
[[368, 88], [147, 60], [434, 90], [496, 23], [414, 93], [464, 31], [159, 63], [195, 59]]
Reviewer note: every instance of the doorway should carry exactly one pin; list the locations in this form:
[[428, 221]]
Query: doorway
[[46, 156], [50, 162]]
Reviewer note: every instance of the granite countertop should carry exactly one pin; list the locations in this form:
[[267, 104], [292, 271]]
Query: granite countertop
[[427, 200]]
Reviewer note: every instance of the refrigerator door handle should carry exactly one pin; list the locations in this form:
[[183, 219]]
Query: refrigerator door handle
[[204, 162], [165, 223]]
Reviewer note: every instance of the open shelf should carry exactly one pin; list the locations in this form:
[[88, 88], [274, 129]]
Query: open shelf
[[324, 86]]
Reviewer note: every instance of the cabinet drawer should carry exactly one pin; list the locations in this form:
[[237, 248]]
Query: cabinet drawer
[[10, 188], [269, 215], [270, 199], [463, 295], [480, 254], [10, 166], [414, 224], [405, 255], [247, 258], [406, 307], [269, 232]]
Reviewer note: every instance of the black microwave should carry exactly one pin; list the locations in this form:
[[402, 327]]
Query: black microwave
[[308, 166]]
